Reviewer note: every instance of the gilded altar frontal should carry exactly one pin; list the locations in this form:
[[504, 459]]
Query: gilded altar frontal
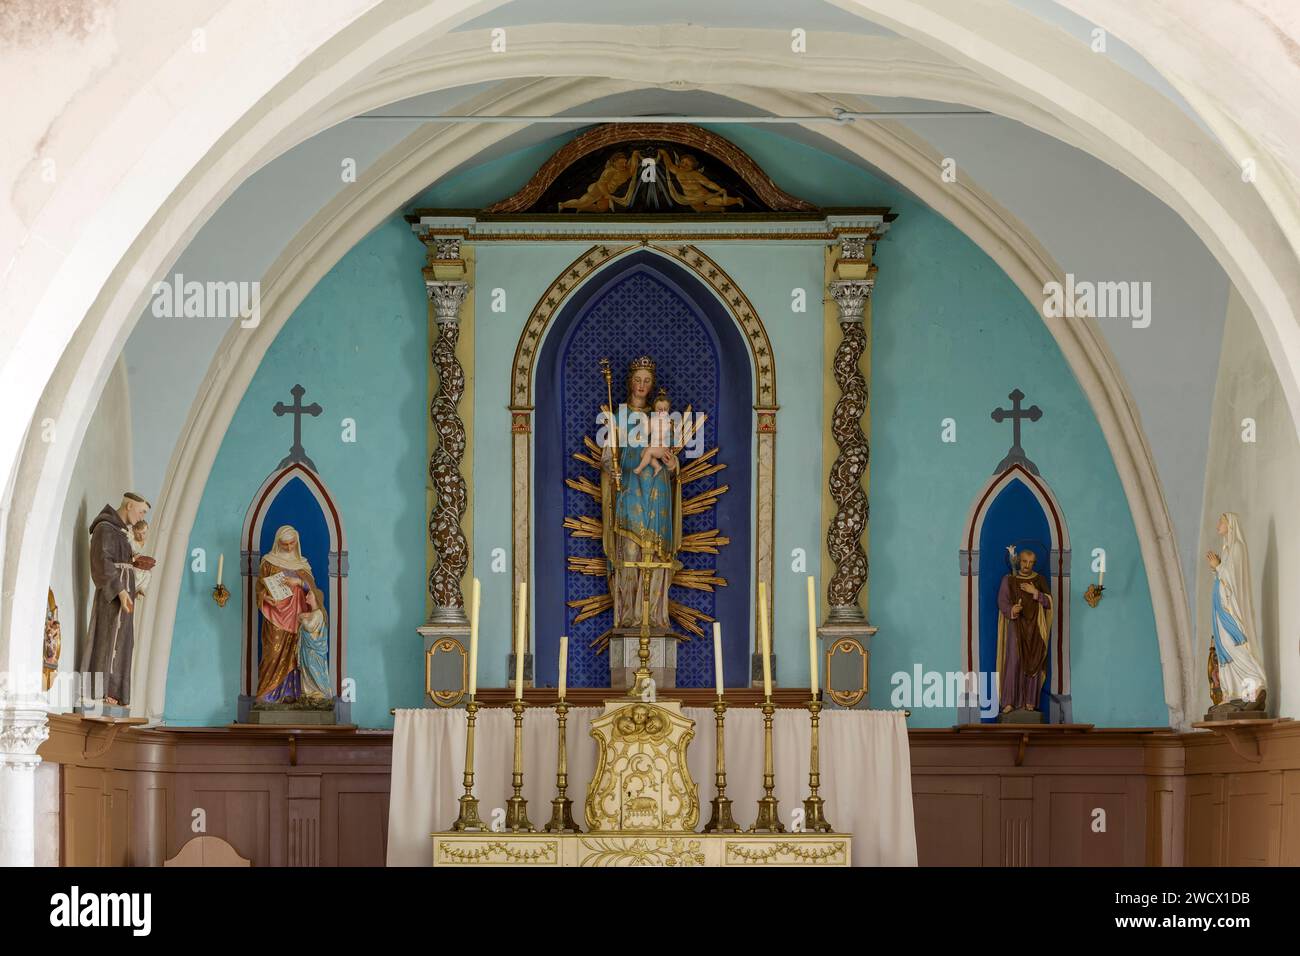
[[852, 436]]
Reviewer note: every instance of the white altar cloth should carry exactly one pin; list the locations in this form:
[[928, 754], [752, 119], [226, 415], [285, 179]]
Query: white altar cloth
[[866, 772]]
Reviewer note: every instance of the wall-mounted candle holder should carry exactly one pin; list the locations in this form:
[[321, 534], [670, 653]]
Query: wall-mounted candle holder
[[221, 594], [1093, 594]]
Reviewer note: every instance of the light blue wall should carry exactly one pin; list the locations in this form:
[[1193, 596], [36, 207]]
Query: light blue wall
[[952, 336], [357, 344]]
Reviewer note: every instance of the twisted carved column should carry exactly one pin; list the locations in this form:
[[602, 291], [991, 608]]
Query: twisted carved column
[[450, 547], [844, 535]]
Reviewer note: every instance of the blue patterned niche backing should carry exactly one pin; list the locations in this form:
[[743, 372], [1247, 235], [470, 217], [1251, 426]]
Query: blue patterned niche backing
[[642, 304]]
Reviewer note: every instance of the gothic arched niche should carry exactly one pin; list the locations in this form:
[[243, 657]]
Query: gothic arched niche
[[641, 304], [1015, 508], [295, 496]]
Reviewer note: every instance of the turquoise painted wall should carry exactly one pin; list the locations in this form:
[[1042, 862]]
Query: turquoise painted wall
[[952, 336]]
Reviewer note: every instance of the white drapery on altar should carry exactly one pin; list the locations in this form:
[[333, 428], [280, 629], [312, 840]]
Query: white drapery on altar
[[866, 772]]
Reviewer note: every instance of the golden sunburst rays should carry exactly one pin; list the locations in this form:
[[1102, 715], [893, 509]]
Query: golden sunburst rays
[[701, 467], [589, 607], [700, 542], [585, 526], [690, 620]]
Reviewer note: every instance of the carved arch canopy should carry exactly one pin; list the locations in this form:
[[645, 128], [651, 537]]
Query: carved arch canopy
[[736, 302], [736, 184]]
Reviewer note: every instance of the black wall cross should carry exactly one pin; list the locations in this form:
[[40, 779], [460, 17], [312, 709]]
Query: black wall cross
[[1016, 456], [297, 410]]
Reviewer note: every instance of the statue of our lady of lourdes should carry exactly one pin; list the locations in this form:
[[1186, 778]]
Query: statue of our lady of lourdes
[[1236, 677]]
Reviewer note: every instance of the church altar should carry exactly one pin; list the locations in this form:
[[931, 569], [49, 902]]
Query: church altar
[[865, 780]]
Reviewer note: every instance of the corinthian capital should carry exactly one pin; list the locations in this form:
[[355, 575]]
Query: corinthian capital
[[22, 730], [447, 298], [851, 297]]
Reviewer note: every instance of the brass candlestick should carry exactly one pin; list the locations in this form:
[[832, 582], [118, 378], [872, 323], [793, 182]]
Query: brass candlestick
[[769, 821], [720, 821], [561, 806], [642, 678], [517, 806], [813, 817], [221, 594], [469, 818]]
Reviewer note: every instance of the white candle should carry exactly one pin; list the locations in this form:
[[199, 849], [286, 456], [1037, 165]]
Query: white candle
[[475, 600], [717, 656], [221, 563], [1101, 576], [521, 640], [812, 634], [767, 640], [564, 666]]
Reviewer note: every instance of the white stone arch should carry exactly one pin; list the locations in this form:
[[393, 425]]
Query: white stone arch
[[108, 265], [898, 153]]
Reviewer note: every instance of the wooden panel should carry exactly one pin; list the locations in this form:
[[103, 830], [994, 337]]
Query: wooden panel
[[1204, 835], [248, 811], [119, 819], [1290, 855], [1254, 819], [149, 821], [83, 816], [1085, 827], [954, 820], [354, 820]]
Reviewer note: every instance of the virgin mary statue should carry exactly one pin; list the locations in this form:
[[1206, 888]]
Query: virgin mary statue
[[1232, 622], [641, 514]]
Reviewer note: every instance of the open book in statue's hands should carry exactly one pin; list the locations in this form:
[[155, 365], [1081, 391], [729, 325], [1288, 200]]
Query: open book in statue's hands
[[276, 587], [143, 562]]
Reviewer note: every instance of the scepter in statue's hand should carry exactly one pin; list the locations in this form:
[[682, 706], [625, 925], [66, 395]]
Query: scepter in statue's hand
[[615, 470]]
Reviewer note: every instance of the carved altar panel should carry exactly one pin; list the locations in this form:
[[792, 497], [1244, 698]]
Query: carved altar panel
[[685, 851], [642, 781]]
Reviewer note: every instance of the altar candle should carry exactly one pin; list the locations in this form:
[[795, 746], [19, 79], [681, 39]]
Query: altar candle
[[1101, 575], [221, 563], [475, 600], [717, 656], [767, 640], [812, 634], [564, 666], [520, 641]]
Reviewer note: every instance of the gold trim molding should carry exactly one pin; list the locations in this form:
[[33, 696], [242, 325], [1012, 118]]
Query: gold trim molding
[[688, 850]]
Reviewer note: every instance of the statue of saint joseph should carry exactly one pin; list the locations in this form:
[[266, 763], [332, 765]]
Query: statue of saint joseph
[[1024, 633]]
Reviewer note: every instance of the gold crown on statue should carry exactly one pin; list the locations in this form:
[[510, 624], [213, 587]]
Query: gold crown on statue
[[644, 362]]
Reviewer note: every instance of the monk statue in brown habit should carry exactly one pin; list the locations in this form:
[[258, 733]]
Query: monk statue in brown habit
[[114, 569], [1024, 631]]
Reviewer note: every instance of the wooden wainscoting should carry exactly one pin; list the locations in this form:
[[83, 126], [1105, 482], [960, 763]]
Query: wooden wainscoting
[[279, 797], [320, 797], [1045, 797]]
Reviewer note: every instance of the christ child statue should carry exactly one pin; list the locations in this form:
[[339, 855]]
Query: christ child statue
[[659, 448], [143, 565]]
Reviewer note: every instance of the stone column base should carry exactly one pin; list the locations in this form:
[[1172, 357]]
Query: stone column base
[[446, 669], [845, 664], [624, 659]]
